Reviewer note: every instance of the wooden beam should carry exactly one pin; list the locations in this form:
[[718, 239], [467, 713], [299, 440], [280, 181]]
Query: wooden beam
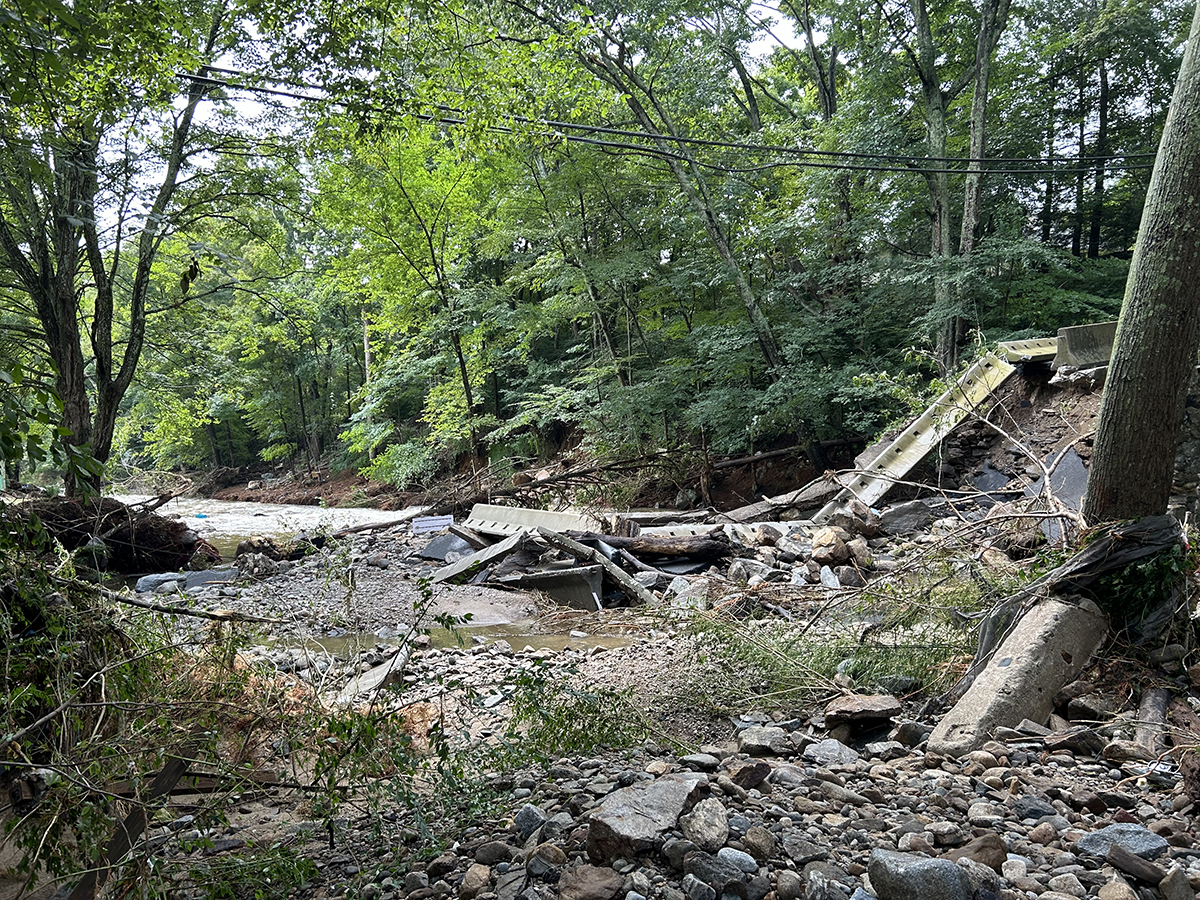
[[630, 587]]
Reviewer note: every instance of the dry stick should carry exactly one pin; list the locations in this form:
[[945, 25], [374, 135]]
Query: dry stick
[[221, 615], [1047, 490], [628, 586], [9, 739], [130, 829]]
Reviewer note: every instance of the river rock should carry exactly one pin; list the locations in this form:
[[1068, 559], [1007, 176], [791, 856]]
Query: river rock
[[859, 709], [750, 774], [476, 879], [589, 883], [988, 850], [630, 820], [760, 843], [493, 852], [528, 820], [830, 752], [904, 518], [1176, 887], [903, 876], [1137, 840], [789, 885], [707, 825], [720, 874], [763, 740], [829, 547]]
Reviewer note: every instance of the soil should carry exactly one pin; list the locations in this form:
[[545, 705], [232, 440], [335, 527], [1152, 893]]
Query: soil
[[316, 489]]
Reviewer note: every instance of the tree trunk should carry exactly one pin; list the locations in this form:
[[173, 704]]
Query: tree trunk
[[1080, 176], [1158, 336], [1097, 212], [992, 22], [1048, 196], [618, 71], [935, 102]]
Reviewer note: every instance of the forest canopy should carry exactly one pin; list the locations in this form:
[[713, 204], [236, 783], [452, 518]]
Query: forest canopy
[[391, 235]]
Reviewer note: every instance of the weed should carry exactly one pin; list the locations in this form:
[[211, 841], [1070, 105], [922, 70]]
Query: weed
[[553, 718]]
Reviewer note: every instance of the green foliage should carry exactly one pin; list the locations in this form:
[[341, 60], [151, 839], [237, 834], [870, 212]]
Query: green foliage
[[512, 282], [257, 873], [29, 414], [552, 718], [402, 465]]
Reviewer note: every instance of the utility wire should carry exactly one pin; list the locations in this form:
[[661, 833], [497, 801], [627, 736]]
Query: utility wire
[[908, 165], [704, 142]]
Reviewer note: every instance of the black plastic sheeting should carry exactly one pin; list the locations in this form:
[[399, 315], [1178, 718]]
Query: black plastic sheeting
[[1111, 550]]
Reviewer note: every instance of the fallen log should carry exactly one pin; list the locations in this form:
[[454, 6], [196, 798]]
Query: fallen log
[[375, 526], [628, 586], [704, 546]]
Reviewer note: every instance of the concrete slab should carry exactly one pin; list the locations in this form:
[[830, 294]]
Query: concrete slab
[[1085, 346], [470, 565], [1047, 649], [505, 520], [579, 588]]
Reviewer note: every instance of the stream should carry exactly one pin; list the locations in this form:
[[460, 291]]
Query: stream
[[226, 523]]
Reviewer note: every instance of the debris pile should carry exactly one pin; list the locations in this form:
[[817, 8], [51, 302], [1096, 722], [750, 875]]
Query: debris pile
[[106, 535]]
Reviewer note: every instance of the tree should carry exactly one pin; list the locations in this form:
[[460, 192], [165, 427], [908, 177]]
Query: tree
[[100, 163], [1158, 335]]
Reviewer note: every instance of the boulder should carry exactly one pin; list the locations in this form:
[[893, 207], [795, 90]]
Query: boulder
[[829, 547], [630, 820], [1133, 838], [905, 876]]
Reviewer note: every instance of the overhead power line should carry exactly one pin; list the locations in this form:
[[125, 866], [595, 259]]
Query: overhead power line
[[578, 133]]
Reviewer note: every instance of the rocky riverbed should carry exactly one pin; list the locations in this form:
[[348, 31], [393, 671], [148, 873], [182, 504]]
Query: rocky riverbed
[[836, 798], [776, 809], [841, 801]]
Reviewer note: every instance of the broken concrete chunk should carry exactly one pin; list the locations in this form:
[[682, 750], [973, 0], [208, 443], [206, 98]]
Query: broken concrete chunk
[[464, 568], [1047, 648]]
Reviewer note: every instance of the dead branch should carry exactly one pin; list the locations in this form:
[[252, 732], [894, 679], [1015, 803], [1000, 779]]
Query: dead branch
[[629, 586], [220, 615]]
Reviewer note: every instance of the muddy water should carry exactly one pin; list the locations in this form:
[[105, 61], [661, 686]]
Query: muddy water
[[225, 523]]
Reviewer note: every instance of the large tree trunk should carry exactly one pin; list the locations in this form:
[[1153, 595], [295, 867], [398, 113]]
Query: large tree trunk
[[1159, 331]]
